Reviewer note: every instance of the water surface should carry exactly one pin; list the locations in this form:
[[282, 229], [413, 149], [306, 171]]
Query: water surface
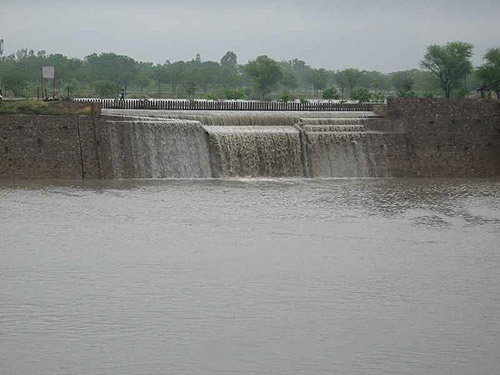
[[347, 276]]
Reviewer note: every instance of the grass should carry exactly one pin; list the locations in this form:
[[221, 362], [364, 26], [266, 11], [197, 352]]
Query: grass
[[39, 107]]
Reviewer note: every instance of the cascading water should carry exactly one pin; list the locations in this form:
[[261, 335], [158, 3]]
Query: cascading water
[[234, 144], [238, 118], [341, 147], [158, 149], [255, 151]]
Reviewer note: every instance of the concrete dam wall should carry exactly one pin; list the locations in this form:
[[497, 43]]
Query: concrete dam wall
[[414, 137]]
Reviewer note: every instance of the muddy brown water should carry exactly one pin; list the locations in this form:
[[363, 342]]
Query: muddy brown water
[[341, 276]]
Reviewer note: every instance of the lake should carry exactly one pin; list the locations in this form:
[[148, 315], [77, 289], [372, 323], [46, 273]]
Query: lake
[[250, 276]]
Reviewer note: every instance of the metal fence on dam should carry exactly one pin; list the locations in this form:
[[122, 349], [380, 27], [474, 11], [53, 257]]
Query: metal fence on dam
[[224, 105]]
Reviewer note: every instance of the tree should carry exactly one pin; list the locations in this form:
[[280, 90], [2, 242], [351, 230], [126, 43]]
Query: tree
[[376, 81], [190, 79], [450, 63], [143, 77], [331, 93], [362, 94], [318, 79], [403, 83], [14, 79], [229, 60], [301, 71], [119, 69], [1, 47], [489, 72], [348, 78], [171, 73], [106, 89], [285, 97], [289, 80], [265, 73], [209, 73]]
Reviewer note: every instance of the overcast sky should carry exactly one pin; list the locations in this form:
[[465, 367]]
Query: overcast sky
[[383, 35]]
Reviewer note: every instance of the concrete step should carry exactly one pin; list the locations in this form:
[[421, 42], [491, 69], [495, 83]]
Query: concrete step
[[333, 128]]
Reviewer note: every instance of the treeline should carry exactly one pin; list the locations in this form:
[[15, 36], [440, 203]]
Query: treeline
[[106, 74]]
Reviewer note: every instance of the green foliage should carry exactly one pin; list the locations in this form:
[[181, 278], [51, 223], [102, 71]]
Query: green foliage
[[461, 93], [304, 101], [106, 89], [318, 78], [331, 93], [403, 82], [489, 72], [13, 78], [115, 69], [229, 60], [106, 74], [265, 73], [211, 96], [375, 81], [285, 97], [296, 74], [234, 94], [450, 63], [189, 84], [362, 94], [378, 97], [349, 79], [407, 94], [289, 80]]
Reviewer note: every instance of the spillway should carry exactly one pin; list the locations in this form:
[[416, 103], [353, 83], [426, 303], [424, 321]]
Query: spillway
[[233, 144], [255, 151], [158, 149]]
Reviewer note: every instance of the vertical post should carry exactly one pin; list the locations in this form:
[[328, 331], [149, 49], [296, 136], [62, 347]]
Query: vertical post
[[41, 75]]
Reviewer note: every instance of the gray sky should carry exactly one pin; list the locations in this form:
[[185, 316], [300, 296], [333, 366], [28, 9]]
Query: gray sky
[[383, 35]]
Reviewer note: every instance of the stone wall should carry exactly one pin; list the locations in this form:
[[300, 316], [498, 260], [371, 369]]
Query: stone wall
[[34, 147], [450, 138]]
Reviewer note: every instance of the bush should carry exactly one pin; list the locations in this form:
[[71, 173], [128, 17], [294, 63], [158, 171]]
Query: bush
[[378, 97], [331, 93], [234, 94], [211, 96], [407, 94], [285, 97], [362, 94], [462, 93]]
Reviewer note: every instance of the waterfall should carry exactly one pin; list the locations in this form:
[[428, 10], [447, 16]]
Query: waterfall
[[158, 149], [342, 147], [197, 144], [255, 151]]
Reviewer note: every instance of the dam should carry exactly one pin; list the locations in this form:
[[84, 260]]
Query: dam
[[409, 138]]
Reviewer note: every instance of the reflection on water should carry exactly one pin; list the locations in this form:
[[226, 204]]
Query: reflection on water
[[250, 277]]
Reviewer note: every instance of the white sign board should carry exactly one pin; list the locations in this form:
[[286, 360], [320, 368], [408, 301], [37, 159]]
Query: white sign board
[[48, 72]]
